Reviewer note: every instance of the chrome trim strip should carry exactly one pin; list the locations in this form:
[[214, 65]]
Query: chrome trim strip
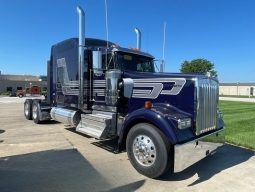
[[104, 108]]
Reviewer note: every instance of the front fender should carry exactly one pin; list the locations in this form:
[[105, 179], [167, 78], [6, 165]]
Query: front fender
[[149, 116]]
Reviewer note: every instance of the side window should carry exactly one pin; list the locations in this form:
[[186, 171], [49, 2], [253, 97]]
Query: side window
[[139, 67], [145, 67], [60, 75], [19, 88]]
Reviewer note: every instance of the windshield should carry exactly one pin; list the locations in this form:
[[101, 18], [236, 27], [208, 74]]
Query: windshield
[[128, 62], [132, 62]]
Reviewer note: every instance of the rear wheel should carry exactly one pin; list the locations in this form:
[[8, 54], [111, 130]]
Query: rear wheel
[[149, 150], [28, 109], [35, 111]]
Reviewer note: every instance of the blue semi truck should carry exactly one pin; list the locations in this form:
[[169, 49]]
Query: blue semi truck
[[110, 92]]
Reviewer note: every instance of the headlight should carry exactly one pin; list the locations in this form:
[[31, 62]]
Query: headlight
[[184, 123]]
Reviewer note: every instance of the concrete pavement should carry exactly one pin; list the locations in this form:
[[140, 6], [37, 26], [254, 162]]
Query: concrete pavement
[[6, 99], [52, 157]]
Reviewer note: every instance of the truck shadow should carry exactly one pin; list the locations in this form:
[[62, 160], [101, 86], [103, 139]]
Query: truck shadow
[[108, 145], [129, 187], [72, 129], [226, 156], [54, 170], [49, 122]]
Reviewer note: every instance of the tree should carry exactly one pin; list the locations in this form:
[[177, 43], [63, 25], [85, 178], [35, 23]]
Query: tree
[[198, 66]]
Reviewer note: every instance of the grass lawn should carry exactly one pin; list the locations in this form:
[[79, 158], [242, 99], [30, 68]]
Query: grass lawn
[[239, 120]]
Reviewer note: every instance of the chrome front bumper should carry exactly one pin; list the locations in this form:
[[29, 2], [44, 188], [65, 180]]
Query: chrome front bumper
[[189, 153]]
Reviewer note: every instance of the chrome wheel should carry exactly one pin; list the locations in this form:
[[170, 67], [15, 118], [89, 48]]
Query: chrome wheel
[[26, 109], [149, 150], [34, 111], [144, 150]]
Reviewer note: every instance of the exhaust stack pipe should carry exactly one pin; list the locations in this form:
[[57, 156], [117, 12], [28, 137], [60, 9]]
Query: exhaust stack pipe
[[138, 38], [81, 55]]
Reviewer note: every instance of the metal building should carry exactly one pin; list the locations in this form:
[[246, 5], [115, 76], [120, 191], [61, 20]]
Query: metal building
[[12, 83], [237, 89]]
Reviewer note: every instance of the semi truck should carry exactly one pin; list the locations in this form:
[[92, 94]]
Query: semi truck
[[111, 92], [33, 90]]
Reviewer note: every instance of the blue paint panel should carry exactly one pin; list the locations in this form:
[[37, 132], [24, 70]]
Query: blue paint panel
[[183, 101], [69, 51], [172, 114], [181, 104], [152, 117]]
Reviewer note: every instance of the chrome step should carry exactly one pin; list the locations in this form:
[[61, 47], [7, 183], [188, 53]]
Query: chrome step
[[96, 125]]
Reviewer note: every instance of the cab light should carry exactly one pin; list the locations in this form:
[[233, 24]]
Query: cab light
[[134, 49], [115, 46]]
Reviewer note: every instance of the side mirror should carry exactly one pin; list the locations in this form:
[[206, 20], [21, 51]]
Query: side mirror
[[127, 86], [97, 60]]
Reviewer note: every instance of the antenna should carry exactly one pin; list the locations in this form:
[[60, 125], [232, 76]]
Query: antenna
[[162, 66], [106, 23], [106, 26]]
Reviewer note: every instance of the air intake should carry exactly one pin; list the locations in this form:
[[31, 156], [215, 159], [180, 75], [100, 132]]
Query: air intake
[[138, 38]]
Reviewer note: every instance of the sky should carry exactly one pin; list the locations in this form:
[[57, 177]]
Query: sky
[[221, 31]]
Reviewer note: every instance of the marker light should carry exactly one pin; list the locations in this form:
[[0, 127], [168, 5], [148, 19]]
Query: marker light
[[148, 105], [134, 49]]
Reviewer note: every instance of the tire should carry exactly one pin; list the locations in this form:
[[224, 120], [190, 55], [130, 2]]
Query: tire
[[149, 151], [20, 95], [36, 111], [28, 109]]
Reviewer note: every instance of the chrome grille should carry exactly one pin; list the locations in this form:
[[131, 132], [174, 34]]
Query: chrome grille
[[207, 101]]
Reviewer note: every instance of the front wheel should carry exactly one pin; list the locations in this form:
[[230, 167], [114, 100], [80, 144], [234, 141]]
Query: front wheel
[[149, 150]]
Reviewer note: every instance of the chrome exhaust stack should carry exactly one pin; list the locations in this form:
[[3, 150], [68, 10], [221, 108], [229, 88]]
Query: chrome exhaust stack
[[81, 55], [138, 38]]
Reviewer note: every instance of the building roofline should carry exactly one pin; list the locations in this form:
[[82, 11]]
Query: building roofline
[[237, 84]]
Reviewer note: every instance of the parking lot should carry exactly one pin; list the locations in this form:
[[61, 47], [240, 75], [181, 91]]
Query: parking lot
[[53, 157]]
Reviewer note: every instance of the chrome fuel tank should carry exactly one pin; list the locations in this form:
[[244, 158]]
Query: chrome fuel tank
[[66, 116]]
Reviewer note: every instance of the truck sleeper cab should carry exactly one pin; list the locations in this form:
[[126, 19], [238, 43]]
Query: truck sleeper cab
[[114, 92]]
